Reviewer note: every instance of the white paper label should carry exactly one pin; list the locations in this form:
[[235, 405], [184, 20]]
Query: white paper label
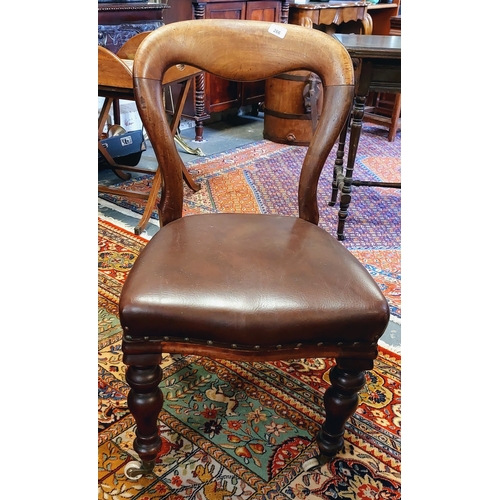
[[278, 30]]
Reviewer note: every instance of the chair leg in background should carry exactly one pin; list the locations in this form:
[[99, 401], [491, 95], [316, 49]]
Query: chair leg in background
[[396, 112]]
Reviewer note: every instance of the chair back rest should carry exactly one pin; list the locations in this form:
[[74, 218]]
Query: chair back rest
[[242, 50]]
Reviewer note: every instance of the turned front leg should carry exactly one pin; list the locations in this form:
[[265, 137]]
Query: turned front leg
[[145, 401], [341, 400]]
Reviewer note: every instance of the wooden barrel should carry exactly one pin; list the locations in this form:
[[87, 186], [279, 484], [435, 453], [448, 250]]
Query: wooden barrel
[[288, 117]]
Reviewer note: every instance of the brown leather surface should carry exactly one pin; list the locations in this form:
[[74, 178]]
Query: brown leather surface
[[250, 280]]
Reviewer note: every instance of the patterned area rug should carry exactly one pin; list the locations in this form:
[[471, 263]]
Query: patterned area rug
[[238, 430], [262, 177]]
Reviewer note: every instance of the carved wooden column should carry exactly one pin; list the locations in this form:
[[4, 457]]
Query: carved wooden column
[[285, 11], [213, 94], [199, 10]]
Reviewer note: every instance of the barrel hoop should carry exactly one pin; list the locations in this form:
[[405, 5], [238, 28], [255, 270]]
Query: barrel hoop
[[287, 116]]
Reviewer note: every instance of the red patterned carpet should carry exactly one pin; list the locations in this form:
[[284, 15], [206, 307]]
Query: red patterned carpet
[[250, 443]]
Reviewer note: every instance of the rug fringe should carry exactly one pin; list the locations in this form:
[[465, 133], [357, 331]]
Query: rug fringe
[[120, 222], [392, 348], [396, 319], [116, 222]]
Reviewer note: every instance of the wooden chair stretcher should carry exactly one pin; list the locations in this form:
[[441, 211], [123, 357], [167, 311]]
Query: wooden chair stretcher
[[115, 82]]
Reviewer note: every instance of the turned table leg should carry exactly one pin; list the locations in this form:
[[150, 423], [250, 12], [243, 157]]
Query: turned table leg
[[338, 174], [356, 124]]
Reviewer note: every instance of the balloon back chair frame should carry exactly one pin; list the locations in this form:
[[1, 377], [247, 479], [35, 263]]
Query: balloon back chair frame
[[253, 287]]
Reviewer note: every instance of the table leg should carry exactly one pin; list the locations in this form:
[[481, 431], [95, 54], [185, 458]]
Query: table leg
[[174, 125], [345, 190], [103, 116], [150, 203], [116, 111], [339, 163], [344, 182], [199, 96], [394, 118]]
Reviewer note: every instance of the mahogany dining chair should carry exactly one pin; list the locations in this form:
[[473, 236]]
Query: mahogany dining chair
[[240, 286]]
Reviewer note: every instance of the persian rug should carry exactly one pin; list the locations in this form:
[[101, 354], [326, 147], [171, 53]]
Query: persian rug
[[262, 177], [236, 430]]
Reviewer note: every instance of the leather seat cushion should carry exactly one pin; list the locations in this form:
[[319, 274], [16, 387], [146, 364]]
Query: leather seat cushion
[[251, 280]]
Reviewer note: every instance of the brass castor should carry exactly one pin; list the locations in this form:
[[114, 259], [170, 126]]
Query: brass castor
[[135, 470], [315, 462]]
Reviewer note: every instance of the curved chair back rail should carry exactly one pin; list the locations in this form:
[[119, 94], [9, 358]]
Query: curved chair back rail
[[261, 54]]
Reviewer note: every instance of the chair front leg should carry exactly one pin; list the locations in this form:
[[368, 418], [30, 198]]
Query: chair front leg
[[145, 401], [341, 400]]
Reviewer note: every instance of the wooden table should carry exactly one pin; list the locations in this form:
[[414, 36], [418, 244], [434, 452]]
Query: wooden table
[[377, 64], [327, 16], [115, 81]]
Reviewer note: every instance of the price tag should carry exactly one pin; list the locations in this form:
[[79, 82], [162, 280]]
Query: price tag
[[278, 30]]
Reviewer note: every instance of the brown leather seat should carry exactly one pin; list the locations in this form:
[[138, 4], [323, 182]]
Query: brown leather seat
[[246, 286], [256, 281]]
